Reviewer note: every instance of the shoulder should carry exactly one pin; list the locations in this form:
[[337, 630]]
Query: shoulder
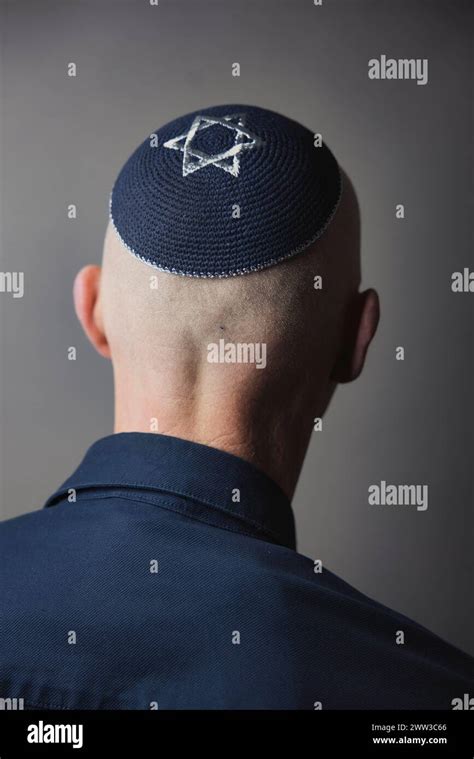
[[381, 657]]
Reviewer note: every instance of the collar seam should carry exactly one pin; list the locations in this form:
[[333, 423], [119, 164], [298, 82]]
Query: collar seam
[[166, 489], [170, 506]]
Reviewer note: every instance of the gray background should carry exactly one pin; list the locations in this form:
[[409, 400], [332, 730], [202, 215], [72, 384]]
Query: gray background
[[64, 140]]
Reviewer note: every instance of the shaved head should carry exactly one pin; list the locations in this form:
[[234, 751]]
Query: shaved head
[[144, 308], [157, 328]]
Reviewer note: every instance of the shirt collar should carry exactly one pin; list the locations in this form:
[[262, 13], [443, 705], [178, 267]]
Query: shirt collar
[[208, 476]]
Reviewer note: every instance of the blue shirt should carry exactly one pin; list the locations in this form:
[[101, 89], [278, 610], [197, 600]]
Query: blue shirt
[[163, 574]]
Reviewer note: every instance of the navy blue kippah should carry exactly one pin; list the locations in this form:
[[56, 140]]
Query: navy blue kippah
[[224, 191]]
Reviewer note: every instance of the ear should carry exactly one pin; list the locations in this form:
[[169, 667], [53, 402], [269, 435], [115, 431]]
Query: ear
[[88, 309], [362, 319]]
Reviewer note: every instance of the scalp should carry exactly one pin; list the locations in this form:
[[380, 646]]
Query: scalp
[[146, 307]]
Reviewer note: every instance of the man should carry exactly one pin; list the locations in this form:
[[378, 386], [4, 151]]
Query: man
[[164, 572]]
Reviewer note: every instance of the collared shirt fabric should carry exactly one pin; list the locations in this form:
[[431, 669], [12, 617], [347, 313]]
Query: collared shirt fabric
[[164, 574]]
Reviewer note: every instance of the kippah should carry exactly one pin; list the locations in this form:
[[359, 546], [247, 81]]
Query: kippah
[[225, 191]]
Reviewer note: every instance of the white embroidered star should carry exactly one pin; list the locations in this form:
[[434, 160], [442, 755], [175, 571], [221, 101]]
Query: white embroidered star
[[228, 160]]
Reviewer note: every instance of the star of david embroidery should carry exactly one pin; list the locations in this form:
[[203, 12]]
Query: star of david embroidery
[[228, 160]]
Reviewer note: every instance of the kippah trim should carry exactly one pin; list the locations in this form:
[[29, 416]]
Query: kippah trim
[[236, 272]]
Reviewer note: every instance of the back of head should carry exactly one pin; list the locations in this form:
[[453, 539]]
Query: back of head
[[296, 308], [240, 202], [233, 246]]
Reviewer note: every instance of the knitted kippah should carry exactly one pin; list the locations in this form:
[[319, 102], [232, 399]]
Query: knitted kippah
[[224, 191]]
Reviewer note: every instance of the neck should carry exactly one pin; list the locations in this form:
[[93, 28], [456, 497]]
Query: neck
[[271, 436]]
